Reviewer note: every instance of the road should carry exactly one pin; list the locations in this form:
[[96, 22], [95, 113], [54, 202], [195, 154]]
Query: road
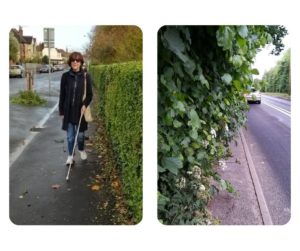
[[23, 118], [268, 136]]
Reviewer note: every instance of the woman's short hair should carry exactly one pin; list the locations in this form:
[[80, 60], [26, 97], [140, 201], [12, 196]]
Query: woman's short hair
[[75, 56]]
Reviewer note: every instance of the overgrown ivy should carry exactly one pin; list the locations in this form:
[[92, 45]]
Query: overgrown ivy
[[203, 72]]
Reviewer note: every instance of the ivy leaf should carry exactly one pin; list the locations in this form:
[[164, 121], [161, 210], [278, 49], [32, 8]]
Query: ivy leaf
[[194, 134], [226, 78], [237, 84], [185, 142], [223, 184], [255, 72], [180, 106], [175, 43], [162, 200], [195, 120], [225, 37], [237, 60], [172, 164], [177, 124], [243, 31]]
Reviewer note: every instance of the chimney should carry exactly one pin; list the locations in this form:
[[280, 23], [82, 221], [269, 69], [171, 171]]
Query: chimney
[[20, 31]]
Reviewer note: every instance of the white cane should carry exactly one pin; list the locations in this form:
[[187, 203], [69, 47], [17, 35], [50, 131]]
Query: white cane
[[69, 170]]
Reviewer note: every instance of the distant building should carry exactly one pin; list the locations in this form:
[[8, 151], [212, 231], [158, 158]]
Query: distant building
[[55, 55], [28, 45]]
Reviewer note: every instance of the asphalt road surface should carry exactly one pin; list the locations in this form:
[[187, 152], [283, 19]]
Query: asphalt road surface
[[268, 136], [23, 118]]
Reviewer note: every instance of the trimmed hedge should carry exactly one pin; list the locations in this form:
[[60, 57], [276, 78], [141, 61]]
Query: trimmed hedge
[[120, 93]]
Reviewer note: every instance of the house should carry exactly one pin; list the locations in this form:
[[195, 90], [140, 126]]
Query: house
[[28, 45], [55, 55]]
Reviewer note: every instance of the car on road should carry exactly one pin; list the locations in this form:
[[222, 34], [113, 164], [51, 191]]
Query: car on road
[[16, 71], [254, 96], [46, 68]]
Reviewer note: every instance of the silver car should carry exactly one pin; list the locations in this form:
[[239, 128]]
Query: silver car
[[254, 96], [16, 71]]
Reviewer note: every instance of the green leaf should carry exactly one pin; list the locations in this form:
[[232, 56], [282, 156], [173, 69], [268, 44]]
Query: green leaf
[[175, 43], [174, 40], [237, 60], [180, 106], [243, 31], [177, 124], [195, 120], [226, 101], [223, 184], [225, 37], [185, 142], [255, 72], [162, 200], [226, 78], [194, 134], [237, 84], [172, 164]]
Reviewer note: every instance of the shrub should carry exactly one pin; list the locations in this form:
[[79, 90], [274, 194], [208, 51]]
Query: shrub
[[120, 92]]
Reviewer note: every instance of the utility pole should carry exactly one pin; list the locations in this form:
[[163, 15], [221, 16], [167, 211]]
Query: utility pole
[[49, 41], [49, 69]]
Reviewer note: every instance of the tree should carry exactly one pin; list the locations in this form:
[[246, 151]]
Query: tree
[[277, 79], [14, 47], [45, 59], [115, 44]]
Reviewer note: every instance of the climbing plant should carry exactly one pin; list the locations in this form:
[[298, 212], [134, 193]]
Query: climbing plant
[[203, 72]]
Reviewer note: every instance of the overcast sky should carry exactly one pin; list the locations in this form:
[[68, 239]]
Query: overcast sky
[[75, 38], [264, 61]]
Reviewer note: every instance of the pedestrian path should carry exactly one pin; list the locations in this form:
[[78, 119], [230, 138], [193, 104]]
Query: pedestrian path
[[241, 208], [39, 193]]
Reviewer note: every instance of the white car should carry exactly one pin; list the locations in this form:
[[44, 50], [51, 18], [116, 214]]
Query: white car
[[254, 96], [16, 71]]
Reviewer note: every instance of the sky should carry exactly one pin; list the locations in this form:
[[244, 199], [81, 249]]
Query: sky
[[264, 61], [75, 38]]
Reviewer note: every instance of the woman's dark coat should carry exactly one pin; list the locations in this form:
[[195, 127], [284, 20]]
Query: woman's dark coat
[[67, 84]]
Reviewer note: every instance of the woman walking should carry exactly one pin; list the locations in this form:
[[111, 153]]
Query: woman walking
[[72, 105]]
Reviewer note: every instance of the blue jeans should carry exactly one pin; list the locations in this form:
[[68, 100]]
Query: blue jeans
[[71, 134]]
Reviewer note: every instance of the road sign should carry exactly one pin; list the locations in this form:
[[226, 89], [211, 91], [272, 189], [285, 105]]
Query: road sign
[[49, 37]]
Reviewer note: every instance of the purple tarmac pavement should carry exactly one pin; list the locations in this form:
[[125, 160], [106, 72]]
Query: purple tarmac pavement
[[242, 208]]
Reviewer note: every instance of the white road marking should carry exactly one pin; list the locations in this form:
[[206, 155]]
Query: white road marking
[[286, 112], [15, 155]]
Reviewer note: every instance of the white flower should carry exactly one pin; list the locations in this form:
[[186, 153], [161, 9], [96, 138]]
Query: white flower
[[205, 143], [213, 133], [226, 128], [189, 172], [222, 164], [180, 184], [202, 188], [196, 172]]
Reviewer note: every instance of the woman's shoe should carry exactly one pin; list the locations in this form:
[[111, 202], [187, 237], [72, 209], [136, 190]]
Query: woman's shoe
[[69, 160], [83, 155]]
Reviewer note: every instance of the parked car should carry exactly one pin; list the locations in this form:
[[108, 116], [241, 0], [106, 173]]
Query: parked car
[[46, 68], [253, 96], [16, 71], [58, 67]]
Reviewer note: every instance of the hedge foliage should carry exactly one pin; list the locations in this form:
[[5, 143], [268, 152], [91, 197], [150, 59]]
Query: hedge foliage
[[203, 72], [120, 92]]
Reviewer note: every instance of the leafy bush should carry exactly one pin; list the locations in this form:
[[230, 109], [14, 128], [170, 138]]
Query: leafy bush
[[28, 98], [203, 72], [120, 91]]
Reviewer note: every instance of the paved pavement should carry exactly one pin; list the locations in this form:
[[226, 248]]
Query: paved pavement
[[39, 193], [242, 208]]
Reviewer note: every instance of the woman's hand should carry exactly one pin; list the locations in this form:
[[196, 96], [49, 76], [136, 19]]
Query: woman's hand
[[83, 108]]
